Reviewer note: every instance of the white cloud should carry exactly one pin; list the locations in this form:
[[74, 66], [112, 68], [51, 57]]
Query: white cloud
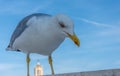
[[110, 32], [78, 64], [7, 67], [95, 23], [23, 7], [12, 69], [117, 62], [43, 6]]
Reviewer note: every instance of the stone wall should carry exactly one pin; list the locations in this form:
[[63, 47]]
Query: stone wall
[[112, 72]]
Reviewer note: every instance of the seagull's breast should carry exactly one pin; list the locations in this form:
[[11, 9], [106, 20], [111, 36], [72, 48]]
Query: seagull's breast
[[40, 37]]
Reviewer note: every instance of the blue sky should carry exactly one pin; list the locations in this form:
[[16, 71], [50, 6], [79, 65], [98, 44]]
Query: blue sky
[[97, 24]]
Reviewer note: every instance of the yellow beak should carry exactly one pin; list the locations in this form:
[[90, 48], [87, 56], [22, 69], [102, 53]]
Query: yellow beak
[[74, 38]]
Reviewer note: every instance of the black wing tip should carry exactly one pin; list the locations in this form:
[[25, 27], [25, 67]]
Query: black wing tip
[[10, 49]]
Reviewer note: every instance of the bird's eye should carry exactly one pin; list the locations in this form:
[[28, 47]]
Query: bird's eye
[[62, 25]]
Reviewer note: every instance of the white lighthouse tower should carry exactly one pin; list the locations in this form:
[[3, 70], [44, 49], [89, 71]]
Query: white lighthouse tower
[[38, 70]]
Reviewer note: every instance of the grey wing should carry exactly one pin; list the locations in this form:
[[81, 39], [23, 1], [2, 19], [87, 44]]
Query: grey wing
[[21, 27]]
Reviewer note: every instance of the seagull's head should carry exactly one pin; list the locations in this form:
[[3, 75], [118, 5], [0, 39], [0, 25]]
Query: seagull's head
[[67, 27]]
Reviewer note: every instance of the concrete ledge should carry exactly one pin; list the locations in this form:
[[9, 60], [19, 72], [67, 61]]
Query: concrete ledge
[[112, 72]]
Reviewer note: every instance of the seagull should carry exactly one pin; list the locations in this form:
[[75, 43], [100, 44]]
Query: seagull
[[42, 33]]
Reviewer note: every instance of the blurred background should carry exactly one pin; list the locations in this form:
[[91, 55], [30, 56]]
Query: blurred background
[[97, 24]]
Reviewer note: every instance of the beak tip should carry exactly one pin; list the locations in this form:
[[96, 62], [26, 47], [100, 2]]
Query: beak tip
[[75, 39], [78, 44]]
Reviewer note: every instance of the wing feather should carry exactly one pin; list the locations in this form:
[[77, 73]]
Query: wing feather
[[21, 27]]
